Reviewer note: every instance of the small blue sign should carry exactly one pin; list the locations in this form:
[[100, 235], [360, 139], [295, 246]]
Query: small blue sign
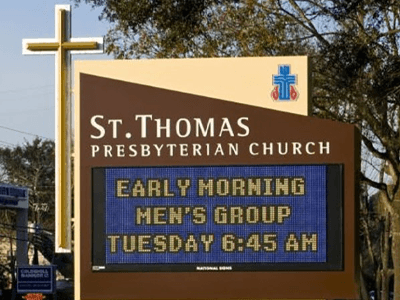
[[36, 279], [14, 196]]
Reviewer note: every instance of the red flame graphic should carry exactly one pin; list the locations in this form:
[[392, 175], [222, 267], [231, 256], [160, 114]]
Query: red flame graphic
[[275, 93], [293, 93], [34, 297]]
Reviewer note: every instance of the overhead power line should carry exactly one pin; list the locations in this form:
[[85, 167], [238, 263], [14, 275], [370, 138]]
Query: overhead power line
[[24, 132], [14, 226], [7, 143], [14, 238]]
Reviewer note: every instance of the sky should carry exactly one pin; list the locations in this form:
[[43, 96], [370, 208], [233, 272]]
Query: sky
[[27, 96]]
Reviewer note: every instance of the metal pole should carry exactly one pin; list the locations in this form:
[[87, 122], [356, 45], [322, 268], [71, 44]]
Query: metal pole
[[22, 237]]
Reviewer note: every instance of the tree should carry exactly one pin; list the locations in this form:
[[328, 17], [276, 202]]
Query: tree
[[32, 165], [354, 46], [196, 28]]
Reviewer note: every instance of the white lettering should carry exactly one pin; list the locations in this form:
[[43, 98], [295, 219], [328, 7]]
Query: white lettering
[[158, 148], [226, 126], [269, 148], [178, 128], [296, 148], [145, 150], [121, 150], [132, 150], [204, 131], [280, 149], [308, 151], [115, 123], [171, 149], [324, 147], [167, 127], [196, 150], [251, 149], [107, 151], [243, 126], [95, 149], [184, 149], [219, 150], [143, 123], [98, 127], [233, 149]]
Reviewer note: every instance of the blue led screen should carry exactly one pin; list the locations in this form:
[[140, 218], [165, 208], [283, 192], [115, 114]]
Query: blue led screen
[[207, 215]]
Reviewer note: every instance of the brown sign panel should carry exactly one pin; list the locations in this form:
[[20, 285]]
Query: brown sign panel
[[183, 196]]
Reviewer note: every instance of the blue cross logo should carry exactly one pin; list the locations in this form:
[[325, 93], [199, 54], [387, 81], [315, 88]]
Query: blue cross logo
[[284, 82]]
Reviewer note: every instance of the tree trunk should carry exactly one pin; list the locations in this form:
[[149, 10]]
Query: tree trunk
[[378, 284], [384, 292], [396, 246], [363, 288]]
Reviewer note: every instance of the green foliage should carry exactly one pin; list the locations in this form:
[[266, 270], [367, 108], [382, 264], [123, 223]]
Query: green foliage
[[194, 28], [32, 165]]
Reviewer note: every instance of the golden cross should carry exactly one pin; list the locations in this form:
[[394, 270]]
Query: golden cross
[[63, 46]]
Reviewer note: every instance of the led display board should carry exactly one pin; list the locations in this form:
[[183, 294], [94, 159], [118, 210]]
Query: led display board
[[180, 196], [236, 218]]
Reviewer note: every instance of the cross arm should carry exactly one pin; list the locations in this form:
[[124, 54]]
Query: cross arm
[[80, 45], [42, 46]]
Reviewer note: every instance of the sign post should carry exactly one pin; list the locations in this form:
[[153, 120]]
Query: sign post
[[62, 46], [219, 198], [17, 197]]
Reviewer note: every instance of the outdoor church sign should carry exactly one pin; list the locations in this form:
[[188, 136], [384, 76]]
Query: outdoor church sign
[[181, 195]]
